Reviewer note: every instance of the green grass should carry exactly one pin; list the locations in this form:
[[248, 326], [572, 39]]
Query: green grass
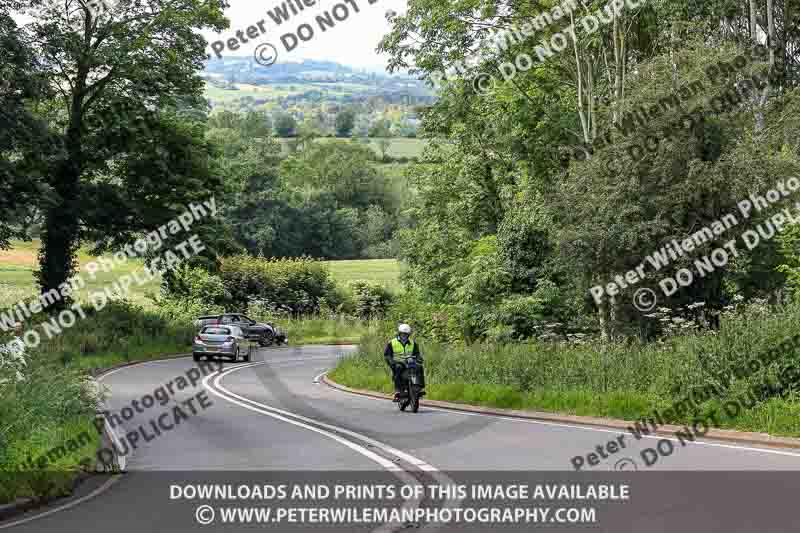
[[577, 402], [615, 380], [385, 272], [18, 264], [60, 451], [47, 434], [401, 147], [312, 330]]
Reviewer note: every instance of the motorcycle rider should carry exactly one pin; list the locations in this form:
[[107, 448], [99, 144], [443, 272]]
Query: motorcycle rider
[[397, 349]]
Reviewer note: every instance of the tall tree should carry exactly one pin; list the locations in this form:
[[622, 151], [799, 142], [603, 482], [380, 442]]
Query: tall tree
[[124, 167], [24, 140]]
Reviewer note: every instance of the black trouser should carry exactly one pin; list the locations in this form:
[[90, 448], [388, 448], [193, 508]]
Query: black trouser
[[397, 375]]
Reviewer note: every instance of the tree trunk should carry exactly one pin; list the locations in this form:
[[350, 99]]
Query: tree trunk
[[582, 115], [60, 237]]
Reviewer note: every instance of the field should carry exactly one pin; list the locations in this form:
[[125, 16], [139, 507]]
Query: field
[[383, 271], [267, 95], [17, 266], [399, 147], [17, 282]]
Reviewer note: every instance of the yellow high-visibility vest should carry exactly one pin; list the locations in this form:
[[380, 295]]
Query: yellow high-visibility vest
[[401, 350]]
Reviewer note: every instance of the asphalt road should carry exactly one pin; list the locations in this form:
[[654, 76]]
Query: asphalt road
[[271, 421]]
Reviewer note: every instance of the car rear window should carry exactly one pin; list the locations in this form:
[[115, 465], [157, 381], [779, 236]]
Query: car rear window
[[216, 331]]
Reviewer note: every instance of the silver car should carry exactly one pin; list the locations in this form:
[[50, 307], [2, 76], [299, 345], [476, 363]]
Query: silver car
[[225, 341]]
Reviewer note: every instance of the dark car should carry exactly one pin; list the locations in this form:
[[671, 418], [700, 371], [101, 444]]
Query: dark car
[[264, 333]]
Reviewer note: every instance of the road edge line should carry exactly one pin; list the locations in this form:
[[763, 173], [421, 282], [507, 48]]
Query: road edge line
[[737, 437]]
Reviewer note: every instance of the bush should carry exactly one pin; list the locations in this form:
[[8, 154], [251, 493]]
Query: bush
[[199, 284], [371, 300], [298, 285], [121, 331], [439, 322], [186, 309]]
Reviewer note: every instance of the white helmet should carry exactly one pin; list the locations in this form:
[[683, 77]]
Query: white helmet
[[404, 328]]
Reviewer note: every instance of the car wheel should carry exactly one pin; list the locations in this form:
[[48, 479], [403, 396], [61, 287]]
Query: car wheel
[[266, 339], [247, 357], [196, 357], [235, 357]]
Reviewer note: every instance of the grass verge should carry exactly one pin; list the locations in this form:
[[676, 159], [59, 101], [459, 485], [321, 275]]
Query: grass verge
[[616, 381]]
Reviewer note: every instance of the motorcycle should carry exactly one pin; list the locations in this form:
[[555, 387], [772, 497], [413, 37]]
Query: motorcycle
[[412, 388]]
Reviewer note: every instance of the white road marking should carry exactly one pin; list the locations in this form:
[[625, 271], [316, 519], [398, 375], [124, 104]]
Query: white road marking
[[590, 428], [265, 410], [422, 465], [122, 460], [273, 412], [620, 432]]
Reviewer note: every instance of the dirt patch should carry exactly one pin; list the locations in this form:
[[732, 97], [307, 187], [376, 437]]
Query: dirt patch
[[22, 258]]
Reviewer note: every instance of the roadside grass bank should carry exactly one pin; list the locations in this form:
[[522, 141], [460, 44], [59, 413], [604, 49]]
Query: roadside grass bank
[[47, 435], [622, 381]]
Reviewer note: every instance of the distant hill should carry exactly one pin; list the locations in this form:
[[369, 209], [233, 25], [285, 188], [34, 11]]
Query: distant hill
[[307, 77], [246, 70]]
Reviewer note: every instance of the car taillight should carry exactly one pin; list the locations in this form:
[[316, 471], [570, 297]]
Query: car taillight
[[230, 339]]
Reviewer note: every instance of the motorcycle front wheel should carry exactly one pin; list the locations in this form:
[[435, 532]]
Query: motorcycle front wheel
[[413, 393]]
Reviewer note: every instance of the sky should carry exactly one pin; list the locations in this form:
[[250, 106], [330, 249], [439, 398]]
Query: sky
[[351, 41]]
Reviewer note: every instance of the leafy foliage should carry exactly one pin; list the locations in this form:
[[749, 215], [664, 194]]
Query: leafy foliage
[[121, 168], [370, 300], [296, 285]]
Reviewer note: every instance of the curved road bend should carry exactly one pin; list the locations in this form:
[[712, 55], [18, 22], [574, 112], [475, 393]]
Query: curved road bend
[[271, 420]]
